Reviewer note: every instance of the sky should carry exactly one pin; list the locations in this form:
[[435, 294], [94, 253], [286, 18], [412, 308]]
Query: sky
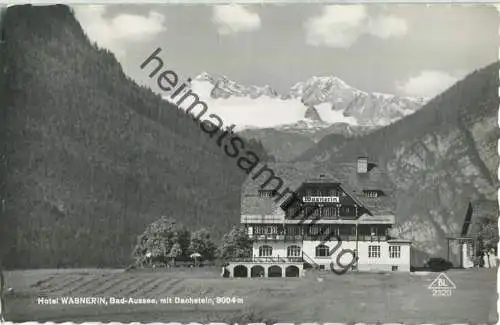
[[408, 50]]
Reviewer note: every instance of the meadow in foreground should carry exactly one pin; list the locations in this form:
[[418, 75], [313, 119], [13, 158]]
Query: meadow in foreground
[[319, 297]]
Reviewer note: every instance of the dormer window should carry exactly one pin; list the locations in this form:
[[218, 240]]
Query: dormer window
[[267, 193], [372, 193]]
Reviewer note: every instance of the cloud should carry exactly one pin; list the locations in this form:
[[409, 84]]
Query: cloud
[[118, 32], [231, 19], [387, 26], [337, 26], [429, 83], [341, 26]]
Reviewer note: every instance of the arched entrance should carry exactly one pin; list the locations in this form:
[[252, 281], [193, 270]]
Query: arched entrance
[[274, 271], [240, 271], [257, 271], [292, 271]]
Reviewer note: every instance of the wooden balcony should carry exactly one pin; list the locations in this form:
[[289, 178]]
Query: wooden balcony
[[293, 238], [262, 219]]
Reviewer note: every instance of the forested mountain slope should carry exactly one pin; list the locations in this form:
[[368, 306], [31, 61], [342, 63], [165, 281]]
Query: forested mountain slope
[[91, 158]]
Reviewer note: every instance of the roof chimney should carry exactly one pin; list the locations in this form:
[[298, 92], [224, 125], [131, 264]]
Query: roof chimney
[[362, 165]]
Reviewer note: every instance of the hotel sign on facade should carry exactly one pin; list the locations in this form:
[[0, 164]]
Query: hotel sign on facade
[[320, 199]]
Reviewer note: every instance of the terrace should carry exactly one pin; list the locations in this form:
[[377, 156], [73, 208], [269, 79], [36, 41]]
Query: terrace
[[268, 259]]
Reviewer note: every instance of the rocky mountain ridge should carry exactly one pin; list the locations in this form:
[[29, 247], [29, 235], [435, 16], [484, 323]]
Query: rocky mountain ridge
[[288, 142]]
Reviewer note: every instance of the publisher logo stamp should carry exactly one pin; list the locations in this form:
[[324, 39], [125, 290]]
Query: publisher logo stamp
[[442, 286]]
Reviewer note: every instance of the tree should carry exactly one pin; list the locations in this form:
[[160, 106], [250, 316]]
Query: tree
[[235, 244], [202, 243], [183, 236], [175, 252], [162, 239], [487, 237]]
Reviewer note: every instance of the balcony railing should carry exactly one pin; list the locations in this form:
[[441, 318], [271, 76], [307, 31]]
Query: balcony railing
[[260, 219], [276, 237], [291, 238], [372, 238], [268, 259]]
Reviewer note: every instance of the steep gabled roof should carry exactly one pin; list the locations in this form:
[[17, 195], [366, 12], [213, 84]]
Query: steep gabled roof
[[476, 211], [295, 174]]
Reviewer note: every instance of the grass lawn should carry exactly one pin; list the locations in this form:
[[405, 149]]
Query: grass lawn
[[353, 297]]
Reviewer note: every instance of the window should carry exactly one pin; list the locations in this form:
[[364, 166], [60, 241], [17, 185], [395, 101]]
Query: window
[[293, 230], [266, 230], [267, 193], [313, 230], [346, 211], [271, 230], [322, 251], [309, 211], [394, 251], [373, 193], [374, 251], [265, 251], [394, 267], [293, 251], [330, 211]]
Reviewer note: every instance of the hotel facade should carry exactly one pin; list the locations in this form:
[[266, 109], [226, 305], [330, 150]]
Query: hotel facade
[[354, 205]]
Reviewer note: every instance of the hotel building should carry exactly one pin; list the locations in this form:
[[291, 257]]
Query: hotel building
[[355, 204]]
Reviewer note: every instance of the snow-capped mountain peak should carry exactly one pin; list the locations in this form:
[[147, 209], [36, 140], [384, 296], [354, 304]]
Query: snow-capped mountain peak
[[223, 87], [205, 76], [322, 99], [318, 90], [324, 82]]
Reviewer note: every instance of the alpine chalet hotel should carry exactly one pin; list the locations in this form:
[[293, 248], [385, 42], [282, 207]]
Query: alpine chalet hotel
[[355, 203]]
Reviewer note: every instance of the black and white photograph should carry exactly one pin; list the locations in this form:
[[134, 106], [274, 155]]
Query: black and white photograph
[[249, 163]]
